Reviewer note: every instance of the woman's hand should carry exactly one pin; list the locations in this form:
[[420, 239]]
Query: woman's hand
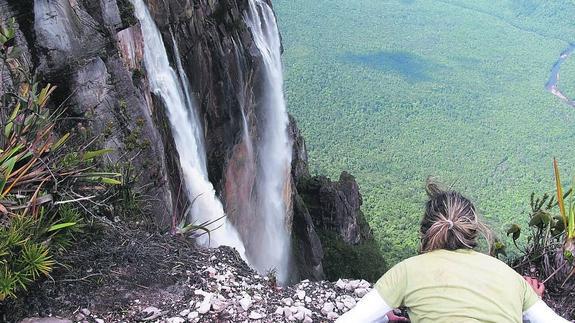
[[537, 286], [396, 318]]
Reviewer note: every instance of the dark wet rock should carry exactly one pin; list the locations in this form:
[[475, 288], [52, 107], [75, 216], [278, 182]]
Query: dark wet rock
[[111, 13], [91, 84], [307, 247], [336, 206]]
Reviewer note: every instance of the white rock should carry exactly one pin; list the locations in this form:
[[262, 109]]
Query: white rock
[[206, 304], [288, 301], [307, 319], [339, 305], [193, 315], [245, 303], [332, 315], [97, 320], [218, 305], [340, 284], [300, 294], [175, 319], [256, 316], [151, 313], [85, 311], [184, 312], [348, 301], [288, 312], [327, 308], [364, 284], [307, 299], [299, 316], [305, 311], [360, 292], [352, 285], [279, 311]]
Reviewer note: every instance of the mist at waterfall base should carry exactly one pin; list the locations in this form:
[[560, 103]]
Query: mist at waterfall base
[[270, 247], [186, 130]]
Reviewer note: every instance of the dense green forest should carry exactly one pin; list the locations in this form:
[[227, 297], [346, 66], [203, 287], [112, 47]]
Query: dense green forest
[[395, 91]]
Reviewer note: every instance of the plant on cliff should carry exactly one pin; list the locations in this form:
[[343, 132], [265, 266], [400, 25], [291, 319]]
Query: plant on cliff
[[41, 177], [550, 243], [568, 219]]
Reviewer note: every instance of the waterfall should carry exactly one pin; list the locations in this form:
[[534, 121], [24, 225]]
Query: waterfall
[[274, 148], [187, 133]]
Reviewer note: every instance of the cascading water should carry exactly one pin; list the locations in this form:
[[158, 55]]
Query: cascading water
[[187, 134], [273, 150]]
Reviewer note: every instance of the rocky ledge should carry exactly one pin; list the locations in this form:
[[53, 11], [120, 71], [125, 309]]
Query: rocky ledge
[[122, 275]]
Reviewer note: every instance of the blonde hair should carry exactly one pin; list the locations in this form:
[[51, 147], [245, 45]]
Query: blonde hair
[[450, 221]]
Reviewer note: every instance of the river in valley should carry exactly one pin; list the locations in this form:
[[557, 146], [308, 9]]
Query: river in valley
[[552, 84]]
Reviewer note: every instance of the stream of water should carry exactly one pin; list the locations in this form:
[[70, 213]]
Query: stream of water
[[552, 84], [274, 148], [187, 133]]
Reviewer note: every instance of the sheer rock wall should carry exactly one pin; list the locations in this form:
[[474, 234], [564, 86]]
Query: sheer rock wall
[[93, 51]]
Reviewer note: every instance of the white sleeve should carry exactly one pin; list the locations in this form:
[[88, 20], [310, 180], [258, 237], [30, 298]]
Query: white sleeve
[[370, 309], [541, 313]]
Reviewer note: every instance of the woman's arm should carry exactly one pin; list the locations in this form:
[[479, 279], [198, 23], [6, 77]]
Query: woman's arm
[[541, 313], [371, 308]]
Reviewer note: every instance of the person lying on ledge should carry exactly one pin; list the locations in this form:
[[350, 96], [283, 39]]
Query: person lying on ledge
[[449, 281]]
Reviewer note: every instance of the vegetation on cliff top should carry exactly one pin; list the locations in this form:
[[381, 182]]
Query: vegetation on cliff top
[[43, 180]]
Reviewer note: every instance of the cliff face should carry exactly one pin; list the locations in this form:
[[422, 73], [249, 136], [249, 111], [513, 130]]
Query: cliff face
[[93, 52]]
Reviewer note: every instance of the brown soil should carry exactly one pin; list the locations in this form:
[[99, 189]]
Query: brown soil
[[559, 294], [112, 268]]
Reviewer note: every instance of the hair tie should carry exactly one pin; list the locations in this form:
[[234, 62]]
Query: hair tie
[[450, 224]]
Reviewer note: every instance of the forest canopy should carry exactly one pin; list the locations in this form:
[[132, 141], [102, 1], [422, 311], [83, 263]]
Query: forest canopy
[[395, 91]]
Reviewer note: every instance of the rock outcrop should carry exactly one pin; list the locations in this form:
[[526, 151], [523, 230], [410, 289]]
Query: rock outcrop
[[325, 213], [336, 207]]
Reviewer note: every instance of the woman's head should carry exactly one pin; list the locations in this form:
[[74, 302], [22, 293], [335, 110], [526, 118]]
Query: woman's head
[[450, 221]]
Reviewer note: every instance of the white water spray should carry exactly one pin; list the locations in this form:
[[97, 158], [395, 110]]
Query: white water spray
[[274, 149], [187, 134]]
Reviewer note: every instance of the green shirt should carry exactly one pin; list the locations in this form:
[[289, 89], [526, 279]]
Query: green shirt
[[457, 286]]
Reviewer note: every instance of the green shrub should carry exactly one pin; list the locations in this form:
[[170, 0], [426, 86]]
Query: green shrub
[[41, 177], [549, 237], [341, 260]]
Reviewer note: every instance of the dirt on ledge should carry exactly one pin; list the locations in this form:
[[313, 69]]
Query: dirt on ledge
[[121, 273]]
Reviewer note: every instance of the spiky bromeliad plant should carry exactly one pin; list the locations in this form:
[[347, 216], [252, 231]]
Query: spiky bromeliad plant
[[550, 245], [41, 179], [567, 215]]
